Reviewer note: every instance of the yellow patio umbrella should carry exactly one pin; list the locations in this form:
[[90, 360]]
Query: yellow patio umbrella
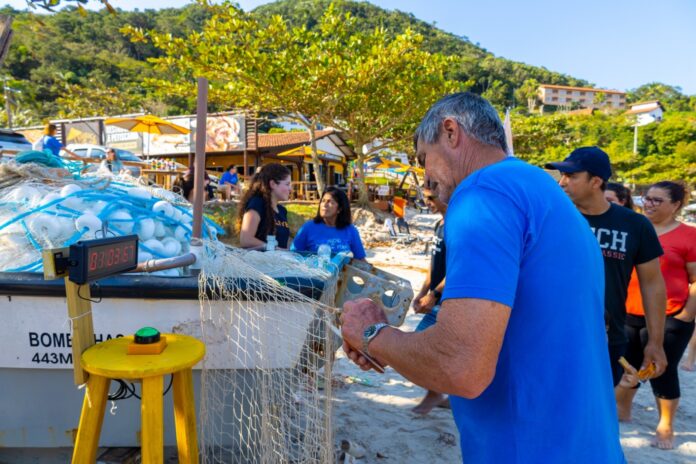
[[304, 150], [384, 163], [148, 124], [407, 167]]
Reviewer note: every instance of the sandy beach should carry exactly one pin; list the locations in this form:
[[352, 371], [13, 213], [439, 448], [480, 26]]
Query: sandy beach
[[374, 410]]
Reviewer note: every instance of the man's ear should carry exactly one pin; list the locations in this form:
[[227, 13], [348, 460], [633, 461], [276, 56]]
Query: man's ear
[[596, 182], [451, 131]]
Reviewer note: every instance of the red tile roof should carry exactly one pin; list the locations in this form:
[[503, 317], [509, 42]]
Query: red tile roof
[[286, 139]]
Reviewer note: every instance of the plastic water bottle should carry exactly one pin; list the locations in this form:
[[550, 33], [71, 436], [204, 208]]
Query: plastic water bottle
[[324, 254], [271, 243]]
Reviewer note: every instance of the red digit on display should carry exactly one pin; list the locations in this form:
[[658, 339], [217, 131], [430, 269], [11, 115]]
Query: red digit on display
[[101, 260], [110, 257], [92, 261], [117, 255]]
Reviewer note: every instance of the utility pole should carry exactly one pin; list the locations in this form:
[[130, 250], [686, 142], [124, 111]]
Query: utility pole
[[635, 139]]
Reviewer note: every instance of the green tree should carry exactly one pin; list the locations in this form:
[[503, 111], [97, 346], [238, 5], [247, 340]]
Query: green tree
[[371, 85], [54, 5], [670, 96], [528, 92], [599, 99]]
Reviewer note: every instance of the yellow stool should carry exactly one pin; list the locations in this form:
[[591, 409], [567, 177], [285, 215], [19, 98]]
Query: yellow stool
[[108, 360]]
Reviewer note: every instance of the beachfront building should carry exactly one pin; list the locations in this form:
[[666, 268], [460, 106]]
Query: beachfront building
[[232, 139], [646, 112], [584, 97]]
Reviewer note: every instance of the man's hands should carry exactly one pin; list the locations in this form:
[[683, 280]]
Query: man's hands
[[357, 316], [424, 302], [654, 353]]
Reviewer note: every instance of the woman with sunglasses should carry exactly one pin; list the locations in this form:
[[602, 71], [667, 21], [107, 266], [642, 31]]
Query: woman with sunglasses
[[661, 205]]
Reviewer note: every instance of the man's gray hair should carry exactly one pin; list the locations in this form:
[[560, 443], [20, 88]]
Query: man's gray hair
[[475, 115]]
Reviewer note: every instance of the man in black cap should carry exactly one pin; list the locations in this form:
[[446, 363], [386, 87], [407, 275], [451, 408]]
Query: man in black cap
[[627, 239]]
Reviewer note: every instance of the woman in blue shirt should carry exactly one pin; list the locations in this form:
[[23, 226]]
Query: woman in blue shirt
[[332, 226]]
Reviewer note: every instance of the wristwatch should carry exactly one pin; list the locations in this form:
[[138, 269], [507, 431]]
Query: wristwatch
[[436, 294], [370, 333]]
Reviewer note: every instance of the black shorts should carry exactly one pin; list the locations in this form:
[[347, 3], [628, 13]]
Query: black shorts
[[677, 336]]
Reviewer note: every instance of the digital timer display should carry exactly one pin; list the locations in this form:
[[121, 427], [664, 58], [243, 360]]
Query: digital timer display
[[95, 259]]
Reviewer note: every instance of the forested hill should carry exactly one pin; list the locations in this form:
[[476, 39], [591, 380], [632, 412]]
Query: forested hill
[[69, 64], [494, 77]]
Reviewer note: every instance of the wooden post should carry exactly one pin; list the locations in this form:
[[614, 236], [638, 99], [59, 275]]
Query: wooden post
[[79, 309], [199, 190]]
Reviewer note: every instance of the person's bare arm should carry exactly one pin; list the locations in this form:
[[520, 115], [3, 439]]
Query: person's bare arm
[[458, 355], [417, 306], [688, 314], [652, 289], [250, 224], [429, 300], [72, 155]]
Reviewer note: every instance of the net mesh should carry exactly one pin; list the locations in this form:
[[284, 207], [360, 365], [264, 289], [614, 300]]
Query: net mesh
[[44, 208], [265, 384]]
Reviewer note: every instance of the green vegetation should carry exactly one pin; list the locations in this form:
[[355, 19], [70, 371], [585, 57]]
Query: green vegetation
[[666, 150], [78, 63], [372, 85]]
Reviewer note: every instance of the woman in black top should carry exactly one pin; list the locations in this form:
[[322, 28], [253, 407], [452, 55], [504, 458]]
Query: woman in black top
[[260, 215]]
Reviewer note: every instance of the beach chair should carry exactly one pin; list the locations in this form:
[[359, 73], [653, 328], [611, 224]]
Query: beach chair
[[395, 231]]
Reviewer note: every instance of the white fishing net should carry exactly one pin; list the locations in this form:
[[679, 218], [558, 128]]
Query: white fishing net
[[266, 377], [47, 208]]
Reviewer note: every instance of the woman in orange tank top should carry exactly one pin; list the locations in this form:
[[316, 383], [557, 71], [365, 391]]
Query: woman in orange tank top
[[661, 204]]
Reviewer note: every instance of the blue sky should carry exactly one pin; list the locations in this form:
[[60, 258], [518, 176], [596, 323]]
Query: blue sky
[[618, 44]]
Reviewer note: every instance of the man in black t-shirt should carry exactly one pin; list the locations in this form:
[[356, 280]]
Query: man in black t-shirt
[[428, 298], [627, 240]]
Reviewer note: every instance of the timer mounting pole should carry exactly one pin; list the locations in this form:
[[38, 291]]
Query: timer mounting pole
[[78, 265], [79, 307]]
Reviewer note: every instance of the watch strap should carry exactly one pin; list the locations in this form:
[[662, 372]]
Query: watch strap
[[370, 333]]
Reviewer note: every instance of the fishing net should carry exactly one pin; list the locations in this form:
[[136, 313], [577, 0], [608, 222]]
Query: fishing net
[[44, 208], [265, 393]]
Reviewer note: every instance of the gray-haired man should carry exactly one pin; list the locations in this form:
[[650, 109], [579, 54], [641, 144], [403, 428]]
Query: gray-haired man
[[520, 310]]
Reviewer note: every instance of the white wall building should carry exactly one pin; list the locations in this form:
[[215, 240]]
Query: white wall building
[[646, 112], [562, 95]]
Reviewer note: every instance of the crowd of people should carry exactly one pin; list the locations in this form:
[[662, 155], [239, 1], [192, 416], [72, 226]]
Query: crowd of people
[[527, 281], [540, 281]]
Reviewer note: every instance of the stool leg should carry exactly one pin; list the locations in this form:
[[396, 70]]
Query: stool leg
[[185, 417], [91, 419], [151, 410]]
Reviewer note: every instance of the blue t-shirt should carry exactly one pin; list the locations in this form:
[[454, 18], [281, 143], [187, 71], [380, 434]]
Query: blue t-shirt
[[53, 144], [515, 238], [311, 235], [228, 178]]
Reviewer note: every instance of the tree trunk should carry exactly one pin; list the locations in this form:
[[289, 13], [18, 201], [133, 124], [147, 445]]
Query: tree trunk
[[319, 179], [363, 198], [5, 36]]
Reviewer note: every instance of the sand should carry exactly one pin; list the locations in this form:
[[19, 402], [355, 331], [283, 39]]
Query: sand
[[378, 416]]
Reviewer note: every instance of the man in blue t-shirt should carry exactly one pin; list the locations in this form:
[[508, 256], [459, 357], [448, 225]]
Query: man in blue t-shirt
[[519, 343], [230, 177]]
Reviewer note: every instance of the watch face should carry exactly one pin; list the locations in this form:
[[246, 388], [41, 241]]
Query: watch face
[[369, 331]]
